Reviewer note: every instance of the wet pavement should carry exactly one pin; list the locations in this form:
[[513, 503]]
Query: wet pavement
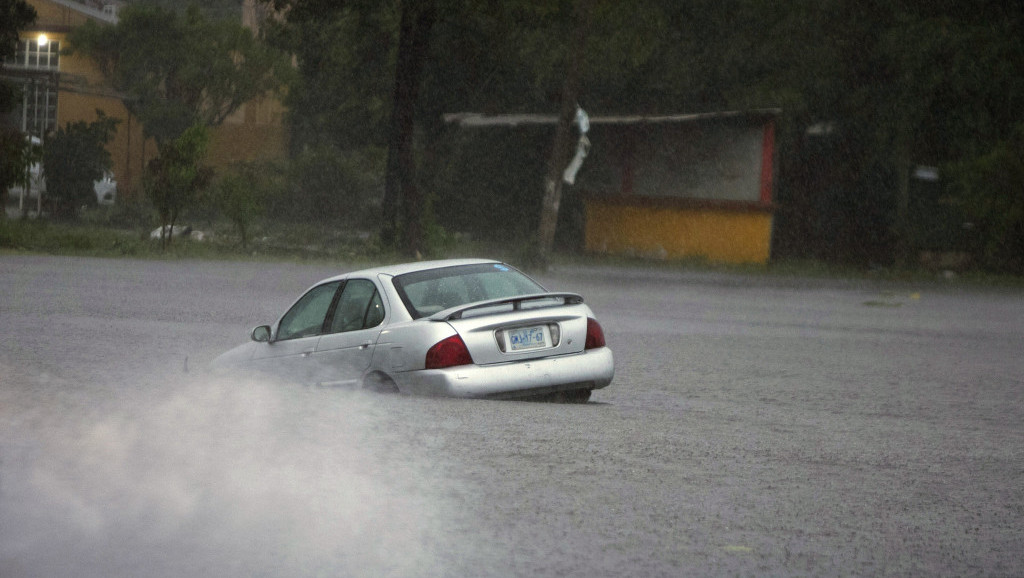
[[755, 426]]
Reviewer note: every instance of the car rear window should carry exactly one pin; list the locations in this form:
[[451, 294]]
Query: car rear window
[[427, 292]]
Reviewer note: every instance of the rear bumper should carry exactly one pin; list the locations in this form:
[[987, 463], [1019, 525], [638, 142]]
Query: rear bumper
[[591, 369]]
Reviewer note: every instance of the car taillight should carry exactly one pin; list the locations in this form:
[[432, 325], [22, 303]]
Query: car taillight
[[595, 336], [449, 353]]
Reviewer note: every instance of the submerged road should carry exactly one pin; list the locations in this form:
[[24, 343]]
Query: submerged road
[[755, 426]]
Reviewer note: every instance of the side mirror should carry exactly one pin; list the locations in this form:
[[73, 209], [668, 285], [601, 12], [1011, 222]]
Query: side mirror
[[261, 334]]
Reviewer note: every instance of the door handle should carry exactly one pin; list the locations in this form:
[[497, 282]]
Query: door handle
[[365, 345], [307, 353]]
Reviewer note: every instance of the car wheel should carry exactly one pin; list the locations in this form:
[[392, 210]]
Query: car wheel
[[379, 383]]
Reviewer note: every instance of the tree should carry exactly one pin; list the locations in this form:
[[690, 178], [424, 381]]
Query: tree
[[175, 177], [15, 15], [217, 9], [180, 73], [73, 159], [400, 186], [177, 70], [347, 50], [330, 184], [990, 191], [239, 197], [249, 190], [12, 165], [344, 52]]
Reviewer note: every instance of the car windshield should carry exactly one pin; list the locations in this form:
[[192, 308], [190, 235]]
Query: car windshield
[[427, 292]]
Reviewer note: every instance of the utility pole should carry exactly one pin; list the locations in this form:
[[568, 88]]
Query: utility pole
[[560, 147]]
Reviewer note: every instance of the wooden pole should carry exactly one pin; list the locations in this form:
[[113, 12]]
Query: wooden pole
[[560, 148]]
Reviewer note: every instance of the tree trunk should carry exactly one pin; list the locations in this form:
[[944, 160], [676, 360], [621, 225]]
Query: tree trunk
[[401, 195], [560, 148]]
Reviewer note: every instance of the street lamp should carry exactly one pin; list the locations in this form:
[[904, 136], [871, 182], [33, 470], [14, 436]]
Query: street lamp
[[42, 40]]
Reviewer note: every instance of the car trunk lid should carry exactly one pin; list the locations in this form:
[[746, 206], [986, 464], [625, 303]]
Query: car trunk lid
[[520, 328]]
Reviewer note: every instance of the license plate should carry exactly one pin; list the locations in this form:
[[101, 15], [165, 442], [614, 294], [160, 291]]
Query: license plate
[[526, 338]]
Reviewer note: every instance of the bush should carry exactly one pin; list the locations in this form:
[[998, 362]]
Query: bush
[[241, 194], [990, 192], [174, 179], [12, 165], [327, 185], [73, 158]]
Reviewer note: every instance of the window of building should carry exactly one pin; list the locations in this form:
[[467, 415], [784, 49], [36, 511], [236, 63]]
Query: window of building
[[33, 55], [33, 73], [39, 108], [35, 105]]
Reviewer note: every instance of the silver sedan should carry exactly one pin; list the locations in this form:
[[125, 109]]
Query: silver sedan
[[465, 328]]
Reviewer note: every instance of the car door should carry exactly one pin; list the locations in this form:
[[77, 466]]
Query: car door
[[346, 348], [289, 354]]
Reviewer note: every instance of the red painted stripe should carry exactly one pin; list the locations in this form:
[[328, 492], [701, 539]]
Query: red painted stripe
[[767, 162]]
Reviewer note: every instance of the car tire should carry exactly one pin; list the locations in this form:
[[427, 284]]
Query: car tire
[[379, 383]]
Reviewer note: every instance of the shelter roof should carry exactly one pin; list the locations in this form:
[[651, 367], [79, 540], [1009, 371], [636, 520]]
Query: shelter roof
[[475, 119]]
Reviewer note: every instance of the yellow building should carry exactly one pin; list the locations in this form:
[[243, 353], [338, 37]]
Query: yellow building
[[686, 186], [683, 186], [58, 89]]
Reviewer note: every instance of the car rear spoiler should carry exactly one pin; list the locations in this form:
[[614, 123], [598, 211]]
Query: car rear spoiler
[[517, 304]]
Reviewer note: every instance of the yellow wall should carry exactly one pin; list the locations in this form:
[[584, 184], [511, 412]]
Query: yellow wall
[[254, 132], [717, 234], [50, 15]]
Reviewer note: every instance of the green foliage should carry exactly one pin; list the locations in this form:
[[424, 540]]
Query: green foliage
[[174, 178], [63, 238], [20, 155], [181, 73], [345, 54], [241, 194], [494, 197], [15, 16], [73, 158], [217, 9], [178, 70], [12, 161], [296, 242], [330, 185], [990, 192]]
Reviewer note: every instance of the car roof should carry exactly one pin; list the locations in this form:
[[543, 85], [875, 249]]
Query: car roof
[[403, 268]]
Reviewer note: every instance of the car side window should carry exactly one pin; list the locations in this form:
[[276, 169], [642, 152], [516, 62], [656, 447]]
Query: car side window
[[308, 315], [360, 307]]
